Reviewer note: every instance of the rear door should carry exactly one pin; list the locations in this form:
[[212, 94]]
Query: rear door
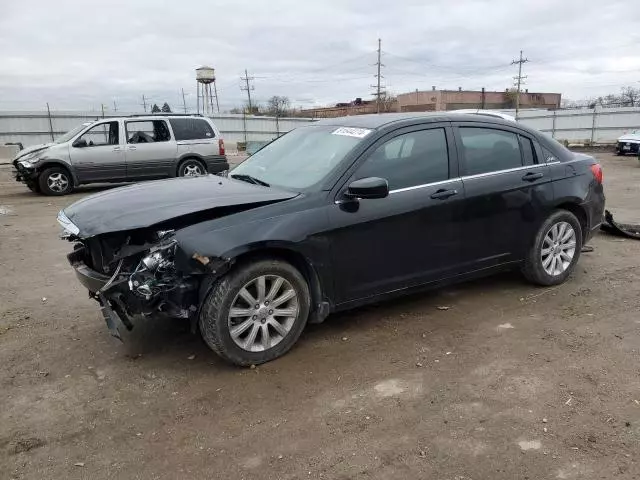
[[97, 155], [151, 151], [410, 237], [196, 137], [508, 191]]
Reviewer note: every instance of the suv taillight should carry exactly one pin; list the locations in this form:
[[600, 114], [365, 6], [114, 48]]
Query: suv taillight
[[221, 147], [596, 169]]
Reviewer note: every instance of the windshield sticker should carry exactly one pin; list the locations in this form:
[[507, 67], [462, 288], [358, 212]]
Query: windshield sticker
[[352, 132]]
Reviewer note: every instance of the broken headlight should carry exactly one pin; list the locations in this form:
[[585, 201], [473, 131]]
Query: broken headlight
[[155, 273]]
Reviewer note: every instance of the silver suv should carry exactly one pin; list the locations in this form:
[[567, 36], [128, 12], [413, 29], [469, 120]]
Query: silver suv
[[123, 149]]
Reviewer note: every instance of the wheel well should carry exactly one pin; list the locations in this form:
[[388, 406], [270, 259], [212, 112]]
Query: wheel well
[[294, 258], [44, 166], [190, 158], [580, 214]]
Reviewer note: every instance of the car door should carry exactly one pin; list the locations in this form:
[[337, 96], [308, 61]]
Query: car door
[[97, 154], [507, 190], [413, 235], [151, 150]]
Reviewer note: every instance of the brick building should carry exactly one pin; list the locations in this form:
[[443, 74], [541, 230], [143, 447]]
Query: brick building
[[432, 100]]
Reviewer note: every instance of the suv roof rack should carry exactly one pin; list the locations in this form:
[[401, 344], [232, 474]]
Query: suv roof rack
[[162, 114]]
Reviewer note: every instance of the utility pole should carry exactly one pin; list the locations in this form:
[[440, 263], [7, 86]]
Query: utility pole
[[184, 102], [144, 103], [102, 107], [246, 79], [378, 87], [519, 80], [50, 122], [115, 107]]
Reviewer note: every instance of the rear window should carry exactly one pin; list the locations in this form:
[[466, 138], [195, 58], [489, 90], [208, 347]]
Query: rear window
[[191, 129]]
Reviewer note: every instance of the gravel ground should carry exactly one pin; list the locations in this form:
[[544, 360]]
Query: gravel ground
[[510, 381]]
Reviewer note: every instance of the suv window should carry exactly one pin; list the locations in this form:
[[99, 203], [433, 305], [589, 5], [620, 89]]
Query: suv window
[[191, 129], [489, 150], [101, 134], [147, 131], [410, 159]]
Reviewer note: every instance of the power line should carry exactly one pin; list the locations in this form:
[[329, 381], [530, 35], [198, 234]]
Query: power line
[[247, 87], [519, 80]]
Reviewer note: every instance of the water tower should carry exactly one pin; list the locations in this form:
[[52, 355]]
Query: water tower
[[206, 76]]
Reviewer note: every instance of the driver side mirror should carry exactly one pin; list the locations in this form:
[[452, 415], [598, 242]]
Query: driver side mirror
[[368, 188], [80, 143]]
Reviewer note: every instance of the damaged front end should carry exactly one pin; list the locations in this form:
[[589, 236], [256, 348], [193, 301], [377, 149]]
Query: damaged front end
[[135, 273]]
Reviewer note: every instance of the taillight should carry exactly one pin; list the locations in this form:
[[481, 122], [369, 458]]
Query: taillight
[[221, 147], [596, 169]]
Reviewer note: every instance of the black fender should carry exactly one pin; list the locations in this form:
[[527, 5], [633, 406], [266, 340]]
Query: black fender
[[215, 246]]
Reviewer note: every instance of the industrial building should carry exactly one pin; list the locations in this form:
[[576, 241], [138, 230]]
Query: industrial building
[[436, 100]]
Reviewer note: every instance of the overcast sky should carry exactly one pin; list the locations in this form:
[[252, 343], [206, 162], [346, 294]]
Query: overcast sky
[[77, 54]]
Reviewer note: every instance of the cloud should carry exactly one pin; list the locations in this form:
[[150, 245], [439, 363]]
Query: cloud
[[77, 55]]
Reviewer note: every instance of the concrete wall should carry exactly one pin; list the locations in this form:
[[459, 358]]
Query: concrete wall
[[32, 128], [580, 126]]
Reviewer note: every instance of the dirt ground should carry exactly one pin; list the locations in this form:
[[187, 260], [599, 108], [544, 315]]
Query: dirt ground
[[511, 381]]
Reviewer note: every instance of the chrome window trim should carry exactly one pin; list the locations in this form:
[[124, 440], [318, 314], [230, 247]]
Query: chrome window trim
[[464, 177], [432, 184]]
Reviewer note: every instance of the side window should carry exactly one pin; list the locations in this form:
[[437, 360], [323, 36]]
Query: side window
[[548, 156], [410, 159], [489, 150], [101, 135], [147, 131], [528, 151], [191, 129]]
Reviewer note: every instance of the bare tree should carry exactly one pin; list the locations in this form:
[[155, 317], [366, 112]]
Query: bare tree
[[278, 106], [388, 102], [630, 96]]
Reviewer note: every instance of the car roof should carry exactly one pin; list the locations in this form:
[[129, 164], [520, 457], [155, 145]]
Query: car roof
[[376, 121]]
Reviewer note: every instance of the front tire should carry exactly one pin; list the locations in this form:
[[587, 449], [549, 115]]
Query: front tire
[[55, 181], [191, 168], [555, 250], [256, 312]]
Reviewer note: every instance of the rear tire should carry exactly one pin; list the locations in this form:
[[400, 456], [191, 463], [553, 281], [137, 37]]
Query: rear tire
[[244, 335], [55, 181], [192, 167], [555, 250]]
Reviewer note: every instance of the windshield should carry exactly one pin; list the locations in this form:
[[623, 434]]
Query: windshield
[[71, 133], [302, 157]]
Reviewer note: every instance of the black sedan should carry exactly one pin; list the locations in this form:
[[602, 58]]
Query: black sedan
[[333, 215]]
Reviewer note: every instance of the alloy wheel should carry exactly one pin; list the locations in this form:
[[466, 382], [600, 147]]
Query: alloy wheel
[[263, 313], [558, 248], [193, 170], [57, 182]]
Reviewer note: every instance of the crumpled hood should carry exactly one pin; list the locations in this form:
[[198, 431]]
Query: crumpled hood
[[148, 203], [630, 137], [33, 149]]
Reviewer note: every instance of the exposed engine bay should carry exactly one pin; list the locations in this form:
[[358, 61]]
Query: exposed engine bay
[[142, 276]]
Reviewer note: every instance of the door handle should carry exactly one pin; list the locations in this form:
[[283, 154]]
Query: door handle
[[443, 194], [532, 176], [131, 147], [116, 149]]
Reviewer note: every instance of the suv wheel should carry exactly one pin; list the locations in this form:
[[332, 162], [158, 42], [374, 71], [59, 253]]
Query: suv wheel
[[255, 313], [192, 168], [555, 251], [55, 181]]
